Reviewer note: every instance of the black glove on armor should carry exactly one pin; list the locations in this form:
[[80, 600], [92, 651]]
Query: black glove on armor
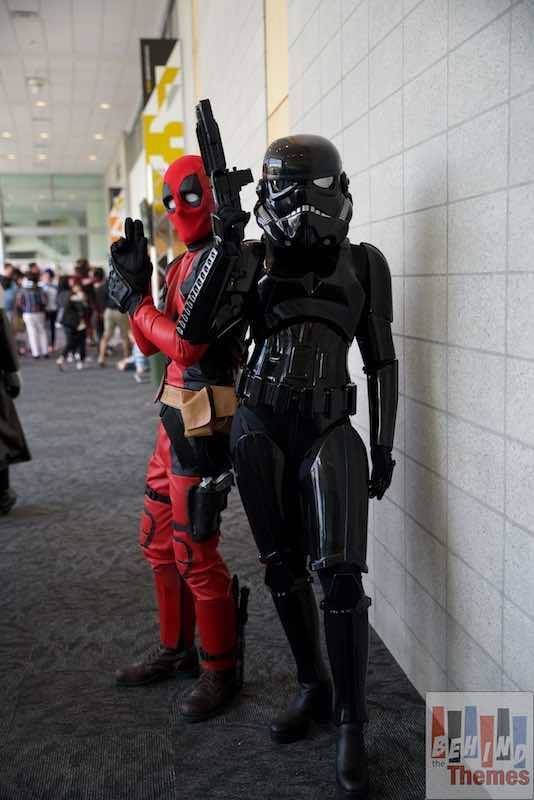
[[12, 383], [130, 267], [382, 472]]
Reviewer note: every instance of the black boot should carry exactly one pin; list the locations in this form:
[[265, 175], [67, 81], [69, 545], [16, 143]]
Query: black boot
[[351, 762], [298, 613], [347, 639], [158, 665], [311, 702]]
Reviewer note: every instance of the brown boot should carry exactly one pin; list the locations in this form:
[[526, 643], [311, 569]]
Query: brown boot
[[158, 665], [209, 694]]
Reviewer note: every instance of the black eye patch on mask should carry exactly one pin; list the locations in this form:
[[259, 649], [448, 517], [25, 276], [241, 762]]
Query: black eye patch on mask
[[191, 190]]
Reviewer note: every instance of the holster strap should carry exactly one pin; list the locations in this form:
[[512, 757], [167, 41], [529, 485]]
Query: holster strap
[[159, 498]]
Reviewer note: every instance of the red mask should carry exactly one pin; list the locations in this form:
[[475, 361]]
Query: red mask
[[188, 199]]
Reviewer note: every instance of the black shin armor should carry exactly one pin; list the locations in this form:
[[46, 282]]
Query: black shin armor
[[347, 639], [297, 609]]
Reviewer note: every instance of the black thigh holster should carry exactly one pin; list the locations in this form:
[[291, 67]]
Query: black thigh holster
[[207, 501]]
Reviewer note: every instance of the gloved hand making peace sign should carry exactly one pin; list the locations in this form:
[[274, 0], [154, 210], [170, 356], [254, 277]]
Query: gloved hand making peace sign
[[130, 267]]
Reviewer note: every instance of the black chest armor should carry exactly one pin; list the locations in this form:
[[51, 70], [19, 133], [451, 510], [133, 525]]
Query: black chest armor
[[304, 324]]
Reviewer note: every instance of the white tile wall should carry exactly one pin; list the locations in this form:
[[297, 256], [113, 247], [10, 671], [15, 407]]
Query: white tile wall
[[431, 103], [437, 132]]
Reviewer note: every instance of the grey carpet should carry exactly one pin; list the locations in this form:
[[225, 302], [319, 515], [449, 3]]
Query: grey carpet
[[76, 602]]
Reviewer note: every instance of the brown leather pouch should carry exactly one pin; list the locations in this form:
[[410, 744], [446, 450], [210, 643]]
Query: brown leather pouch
[[205, 412]]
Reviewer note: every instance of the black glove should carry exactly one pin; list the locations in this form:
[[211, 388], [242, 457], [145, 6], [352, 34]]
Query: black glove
[[130, 267], [382, 472], [12, 383], [229, 224]]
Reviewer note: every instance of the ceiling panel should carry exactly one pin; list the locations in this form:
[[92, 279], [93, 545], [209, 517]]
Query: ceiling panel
[[83, 52]]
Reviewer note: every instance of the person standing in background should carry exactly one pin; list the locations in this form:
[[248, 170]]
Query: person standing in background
[[31, 302], [100, 295], [13, 447], [113, 319], [9, 284], [74, 322], [51, 290]]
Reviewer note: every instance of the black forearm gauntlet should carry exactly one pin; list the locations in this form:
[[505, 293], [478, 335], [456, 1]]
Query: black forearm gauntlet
[[382, 389]]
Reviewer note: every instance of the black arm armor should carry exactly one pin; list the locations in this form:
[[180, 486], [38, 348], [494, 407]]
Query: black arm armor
[[218, 298], [9, 361], [377, 349]]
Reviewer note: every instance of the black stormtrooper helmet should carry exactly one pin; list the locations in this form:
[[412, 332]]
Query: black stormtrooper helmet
[[304, 199]]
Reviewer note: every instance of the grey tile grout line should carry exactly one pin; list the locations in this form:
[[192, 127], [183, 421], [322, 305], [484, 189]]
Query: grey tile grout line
[[506, 437], [447, 551], [404, 84], [463, 199], [415, 636], [506, 288], [465, 491], [392, 30], [447, 335], [403, 196], [465, 347], [455, 552], [449, 618]]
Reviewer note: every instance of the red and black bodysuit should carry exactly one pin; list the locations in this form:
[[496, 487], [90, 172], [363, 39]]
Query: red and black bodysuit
[[192, 580]]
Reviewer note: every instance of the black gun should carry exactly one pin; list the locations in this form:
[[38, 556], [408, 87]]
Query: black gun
[[226, 183]]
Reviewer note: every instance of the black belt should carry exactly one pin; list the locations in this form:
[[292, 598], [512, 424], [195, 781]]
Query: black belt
[[332, 402]]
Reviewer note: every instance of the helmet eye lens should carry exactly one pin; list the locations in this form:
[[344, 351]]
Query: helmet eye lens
[[192, 198], [324, 183]]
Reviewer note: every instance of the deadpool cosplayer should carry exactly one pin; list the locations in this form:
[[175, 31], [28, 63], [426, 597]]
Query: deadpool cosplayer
[[188, 477], [301, 467]]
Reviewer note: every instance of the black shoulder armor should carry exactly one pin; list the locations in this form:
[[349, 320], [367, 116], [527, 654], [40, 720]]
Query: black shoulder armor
[[379, 283]]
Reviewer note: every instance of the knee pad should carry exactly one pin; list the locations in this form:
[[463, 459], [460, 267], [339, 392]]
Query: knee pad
[[343, 589], [281, 580], [206, 502]]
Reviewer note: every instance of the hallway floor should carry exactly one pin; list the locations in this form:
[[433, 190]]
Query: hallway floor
[[76, 602]]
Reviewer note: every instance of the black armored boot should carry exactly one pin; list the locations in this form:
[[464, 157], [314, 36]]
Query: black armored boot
[[158, 665], [347, 639], [298, 613]]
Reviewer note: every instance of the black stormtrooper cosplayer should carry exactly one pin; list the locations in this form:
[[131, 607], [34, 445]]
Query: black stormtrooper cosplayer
[[301, 467]]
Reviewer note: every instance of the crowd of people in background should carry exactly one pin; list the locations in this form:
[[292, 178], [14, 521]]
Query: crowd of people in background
[[62, 316]]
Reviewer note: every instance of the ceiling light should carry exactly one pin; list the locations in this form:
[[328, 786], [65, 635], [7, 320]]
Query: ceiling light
[[42, 156], [92, 157], [98, 136], [44, 135], [105, 106], [41, 103], [11, 156], [6, 134]]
